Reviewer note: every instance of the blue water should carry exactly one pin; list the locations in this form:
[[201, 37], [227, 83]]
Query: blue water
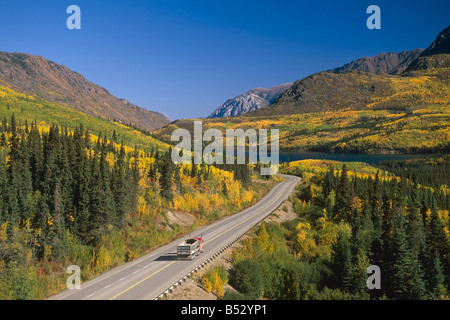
[[344, 157]]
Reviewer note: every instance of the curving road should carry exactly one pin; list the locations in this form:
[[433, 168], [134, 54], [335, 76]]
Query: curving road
[[150, 275]]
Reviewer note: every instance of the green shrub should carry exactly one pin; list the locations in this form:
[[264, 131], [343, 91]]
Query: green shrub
[[246, 276], [233, 295], [18, 283]]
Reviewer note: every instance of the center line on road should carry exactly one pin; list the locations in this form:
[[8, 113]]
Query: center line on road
[[279, 196], [137, 283], [134, 285]]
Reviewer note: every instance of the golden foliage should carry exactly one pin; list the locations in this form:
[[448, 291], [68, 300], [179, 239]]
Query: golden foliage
[[215, 279]]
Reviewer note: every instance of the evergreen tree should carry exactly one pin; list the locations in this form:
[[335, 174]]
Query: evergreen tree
[[330, 203], [118, 185], [36, 155], [437, 241], [57, 235], [407, 281], [53, 181], [50, 170], [167, 177], [65, 177], [435, 277], [135, 178], [343, 206], [415, 230], [4, 190], [3, 141], [81, 193], [328, 182], [376, 257], [341, 262], [4, 125], [20, 183], [375, 202], [100, 204]]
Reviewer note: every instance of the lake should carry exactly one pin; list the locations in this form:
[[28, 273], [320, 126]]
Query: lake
[[344, 157]]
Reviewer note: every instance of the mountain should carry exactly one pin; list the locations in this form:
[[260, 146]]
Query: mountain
[[327, 91], [437, 55], [357, 111], [251, 100], [358, 83], [39, 77], [387, 63], [440, 45]]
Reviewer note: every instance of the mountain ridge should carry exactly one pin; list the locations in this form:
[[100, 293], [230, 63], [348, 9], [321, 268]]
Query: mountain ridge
[[440, 45], [437, 55], [385, 62], [352, 86], [43, 78]]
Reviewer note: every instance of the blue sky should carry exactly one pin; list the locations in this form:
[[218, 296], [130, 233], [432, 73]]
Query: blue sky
[[185, 58]]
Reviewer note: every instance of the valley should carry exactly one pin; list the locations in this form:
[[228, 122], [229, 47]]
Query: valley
[[88, 179]]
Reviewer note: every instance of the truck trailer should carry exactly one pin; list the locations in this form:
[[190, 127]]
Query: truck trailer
[[188, 249]]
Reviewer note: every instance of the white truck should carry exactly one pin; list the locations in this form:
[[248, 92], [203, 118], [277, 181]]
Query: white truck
[[188, 249]]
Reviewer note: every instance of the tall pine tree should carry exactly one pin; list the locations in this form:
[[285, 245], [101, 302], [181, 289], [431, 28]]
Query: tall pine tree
[[343, 205]]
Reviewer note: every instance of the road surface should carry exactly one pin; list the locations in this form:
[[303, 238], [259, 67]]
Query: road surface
[[149, 276]]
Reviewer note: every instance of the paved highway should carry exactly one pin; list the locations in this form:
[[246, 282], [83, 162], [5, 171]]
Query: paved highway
[[150, 275]]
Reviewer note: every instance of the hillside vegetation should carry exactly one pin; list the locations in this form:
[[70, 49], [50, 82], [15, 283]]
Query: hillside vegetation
[[27, 108], [69, 197], [351, 216], [353, 112], [349, 110]]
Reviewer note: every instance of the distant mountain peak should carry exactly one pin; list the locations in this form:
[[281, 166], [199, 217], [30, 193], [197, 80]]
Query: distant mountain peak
[[254, 99], [384, 63], [437, 55], [440, 45]]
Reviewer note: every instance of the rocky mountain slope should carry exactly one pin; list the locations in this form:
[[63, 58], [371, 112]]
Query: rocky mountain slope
[[440, 45], [251, 100], [437, 55], [37, 76], [388, 63]]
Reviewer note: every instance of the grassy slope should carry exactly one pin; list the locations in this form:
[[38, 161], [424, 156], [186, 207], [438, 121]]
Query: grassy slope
[[39, 77], [28, 108]]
